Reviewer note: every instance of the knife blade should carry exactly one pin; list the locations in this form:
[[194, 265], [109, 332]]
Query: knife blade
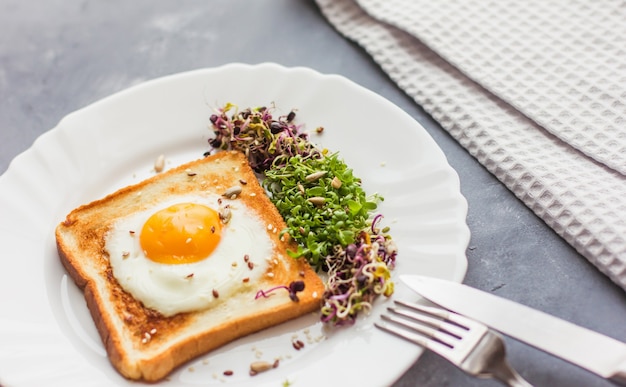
[[583, 347]]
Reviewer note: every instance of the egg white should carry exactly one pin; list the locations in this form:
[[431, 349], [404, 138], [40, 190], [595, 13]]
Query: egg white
[[172, 289]]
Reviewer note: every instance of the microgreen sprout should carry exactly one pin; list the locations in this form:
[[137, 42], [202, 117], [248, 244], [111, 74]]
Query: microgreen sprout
[[318, 216], [293, 288], [357, 275], [264, 140], [326, 210]]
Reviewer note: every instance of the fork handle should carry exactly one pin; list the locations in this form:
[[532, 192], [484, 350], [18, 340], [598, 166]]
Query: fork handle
[[507, 375], [619, 377]]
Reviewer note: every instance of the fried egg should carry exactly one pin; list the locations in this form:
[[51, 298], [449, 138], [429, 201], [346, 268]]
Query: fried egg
[[181, 256]]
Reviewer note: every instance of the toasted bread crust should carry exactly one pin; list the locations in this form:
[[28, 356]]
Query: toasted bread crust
[[142, 343]]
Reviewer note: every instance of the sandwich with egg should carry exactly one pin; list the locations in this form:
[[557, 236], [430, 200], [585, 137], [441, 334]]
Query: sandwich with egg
[[173, 266]]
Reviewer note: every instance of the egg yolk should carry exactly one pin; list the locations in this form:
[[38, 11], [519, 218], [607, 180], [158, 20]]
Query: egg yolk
[[181, 233]]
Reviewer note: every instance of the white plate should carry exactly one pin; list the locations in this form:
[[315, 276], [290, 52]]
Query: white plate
[[46, 334]]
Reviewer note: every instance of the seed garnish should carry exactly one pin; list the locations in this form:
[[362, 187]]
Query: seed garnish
[[232, 192], [315, 176], [259, 366], [335, 183], [297, 344], [225, 214], [159, 163], [317, 201]]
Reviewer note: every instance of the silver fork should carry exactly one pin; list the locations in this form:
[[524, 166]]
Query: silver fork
[[466, 343]]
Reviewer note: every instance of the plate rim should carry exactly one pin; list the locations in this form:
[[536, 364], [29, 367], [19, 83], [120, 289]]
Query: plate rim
[[40, 141]]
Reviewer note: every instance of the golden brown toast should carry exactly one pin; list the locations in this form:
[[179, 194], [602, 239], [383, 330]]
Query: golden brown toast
[[144, 344]]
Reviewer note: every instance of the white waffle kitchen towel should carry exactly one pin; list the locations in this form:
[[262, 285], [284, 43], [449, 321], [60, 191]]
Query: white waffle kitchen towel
[[535, 90]]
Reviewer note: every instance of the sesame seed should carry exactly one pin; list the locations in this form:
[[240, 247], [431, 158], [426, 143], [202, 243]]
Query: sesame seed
[[270, 274], [188, 240], [153, 331], [159, 163]]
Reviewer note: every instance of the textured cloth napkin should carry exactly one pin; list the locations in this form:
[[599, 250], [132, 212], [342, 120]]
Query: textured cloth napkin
[[534, 90]]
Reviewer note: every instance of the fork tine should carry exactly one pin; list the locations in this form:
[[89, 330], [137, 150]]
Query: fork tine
[[437, 323], [442, 314], [465, 324], [412, 336], [424, 330]]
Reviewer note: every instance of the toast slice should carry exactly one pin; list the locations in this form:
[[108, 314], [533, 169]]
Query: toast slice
[[145, 344]]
